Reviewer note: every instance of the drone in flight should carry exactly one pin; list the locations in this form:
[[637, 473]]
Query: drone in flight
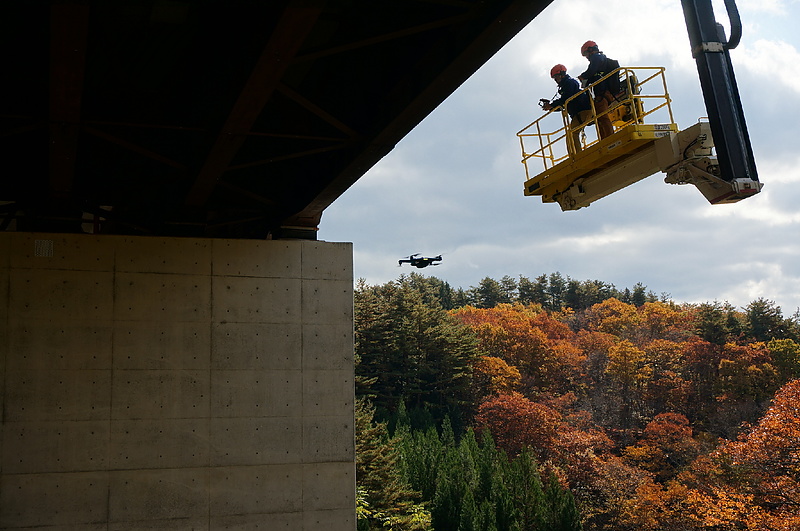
[[420, 261]]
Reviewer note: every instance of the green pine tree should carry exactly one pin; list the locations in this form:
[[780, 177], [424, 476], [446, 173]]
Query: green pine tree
[[413, 350], [385, 500]]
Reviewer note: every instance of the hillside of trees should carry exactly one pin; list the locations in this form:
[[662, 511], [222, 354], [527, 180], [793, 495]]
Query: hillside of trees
[[557, 404]]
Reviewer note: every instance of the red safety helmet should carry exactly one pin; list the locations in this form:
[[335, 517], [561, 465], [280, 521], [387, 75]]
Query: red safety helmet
[[587, 46], [558, 69]]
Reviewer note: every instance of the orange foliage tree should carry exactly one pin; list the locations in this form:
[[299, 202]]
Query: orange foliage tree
[[584, 460], [627, 368], [652, 320], [658, 320], [580, 456], [667, 444], [613, 316], [669, 388], [516, 422], [659, 507], [540, 346], [701, 365], [506, 332], [753, 483]]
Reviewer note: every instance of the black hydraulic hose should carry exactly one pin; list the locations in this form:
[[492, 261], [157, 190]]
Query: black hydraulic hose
[[736, 24], [721, 95]]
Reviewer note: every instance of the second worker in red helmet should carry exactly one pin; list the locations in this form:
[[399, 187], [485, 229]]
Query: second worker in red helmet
[[599, 66]]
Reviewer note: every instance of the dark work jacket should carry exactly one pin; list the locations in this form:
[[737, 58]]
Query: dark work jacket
[[596, 70], [568, 88]]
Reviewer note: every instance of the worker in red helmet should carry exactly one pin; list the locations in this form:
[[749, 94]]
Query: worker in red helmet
[[579, 108], [588, 47], [598, 67]]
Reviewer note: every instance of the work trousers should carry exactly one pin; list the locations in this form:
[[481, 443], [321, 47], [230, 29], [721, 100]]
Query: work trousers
[[601, 103]]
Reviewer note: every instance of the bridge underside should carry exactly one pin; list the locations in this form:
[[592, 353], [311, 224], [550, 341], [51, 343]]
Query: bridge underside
[[220, 118]]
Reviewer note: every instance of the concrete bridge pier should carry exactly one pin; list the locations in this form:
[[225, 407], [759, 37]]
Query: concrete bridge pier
[[175, 383]]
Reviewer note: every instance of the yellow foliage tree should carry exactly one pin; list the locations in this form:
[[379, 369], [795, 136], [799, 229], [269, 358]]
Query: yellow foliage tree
[[493, 376]]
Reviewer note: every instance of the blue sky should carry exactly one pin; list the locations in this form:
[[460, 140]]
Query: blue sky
[[454, 184]]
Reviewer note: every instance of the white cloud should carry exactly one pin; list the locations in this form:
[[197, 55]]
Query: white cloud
[[786, 171], [618, 27], [782, 180], [774, 7], [594, 241], [755, 211], [771, 61], [763, 280]]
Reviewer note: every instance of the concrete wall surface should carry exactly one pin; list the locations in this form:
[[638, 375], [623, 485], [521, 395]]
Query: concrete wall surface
[[171, 383]]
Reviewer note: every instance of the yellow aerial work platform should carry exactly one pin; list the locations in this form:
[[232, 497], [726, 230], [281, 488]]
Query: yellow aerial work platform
[[574, 176], [576, 173]]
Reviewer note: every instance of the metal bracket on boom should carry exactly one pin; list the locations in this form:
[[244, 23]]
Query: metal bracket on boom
[[696, 165], [717, 47]]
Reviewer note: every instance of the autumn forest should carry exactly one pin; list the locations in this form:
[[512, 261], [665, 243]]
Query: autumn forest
[[556, 404]]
